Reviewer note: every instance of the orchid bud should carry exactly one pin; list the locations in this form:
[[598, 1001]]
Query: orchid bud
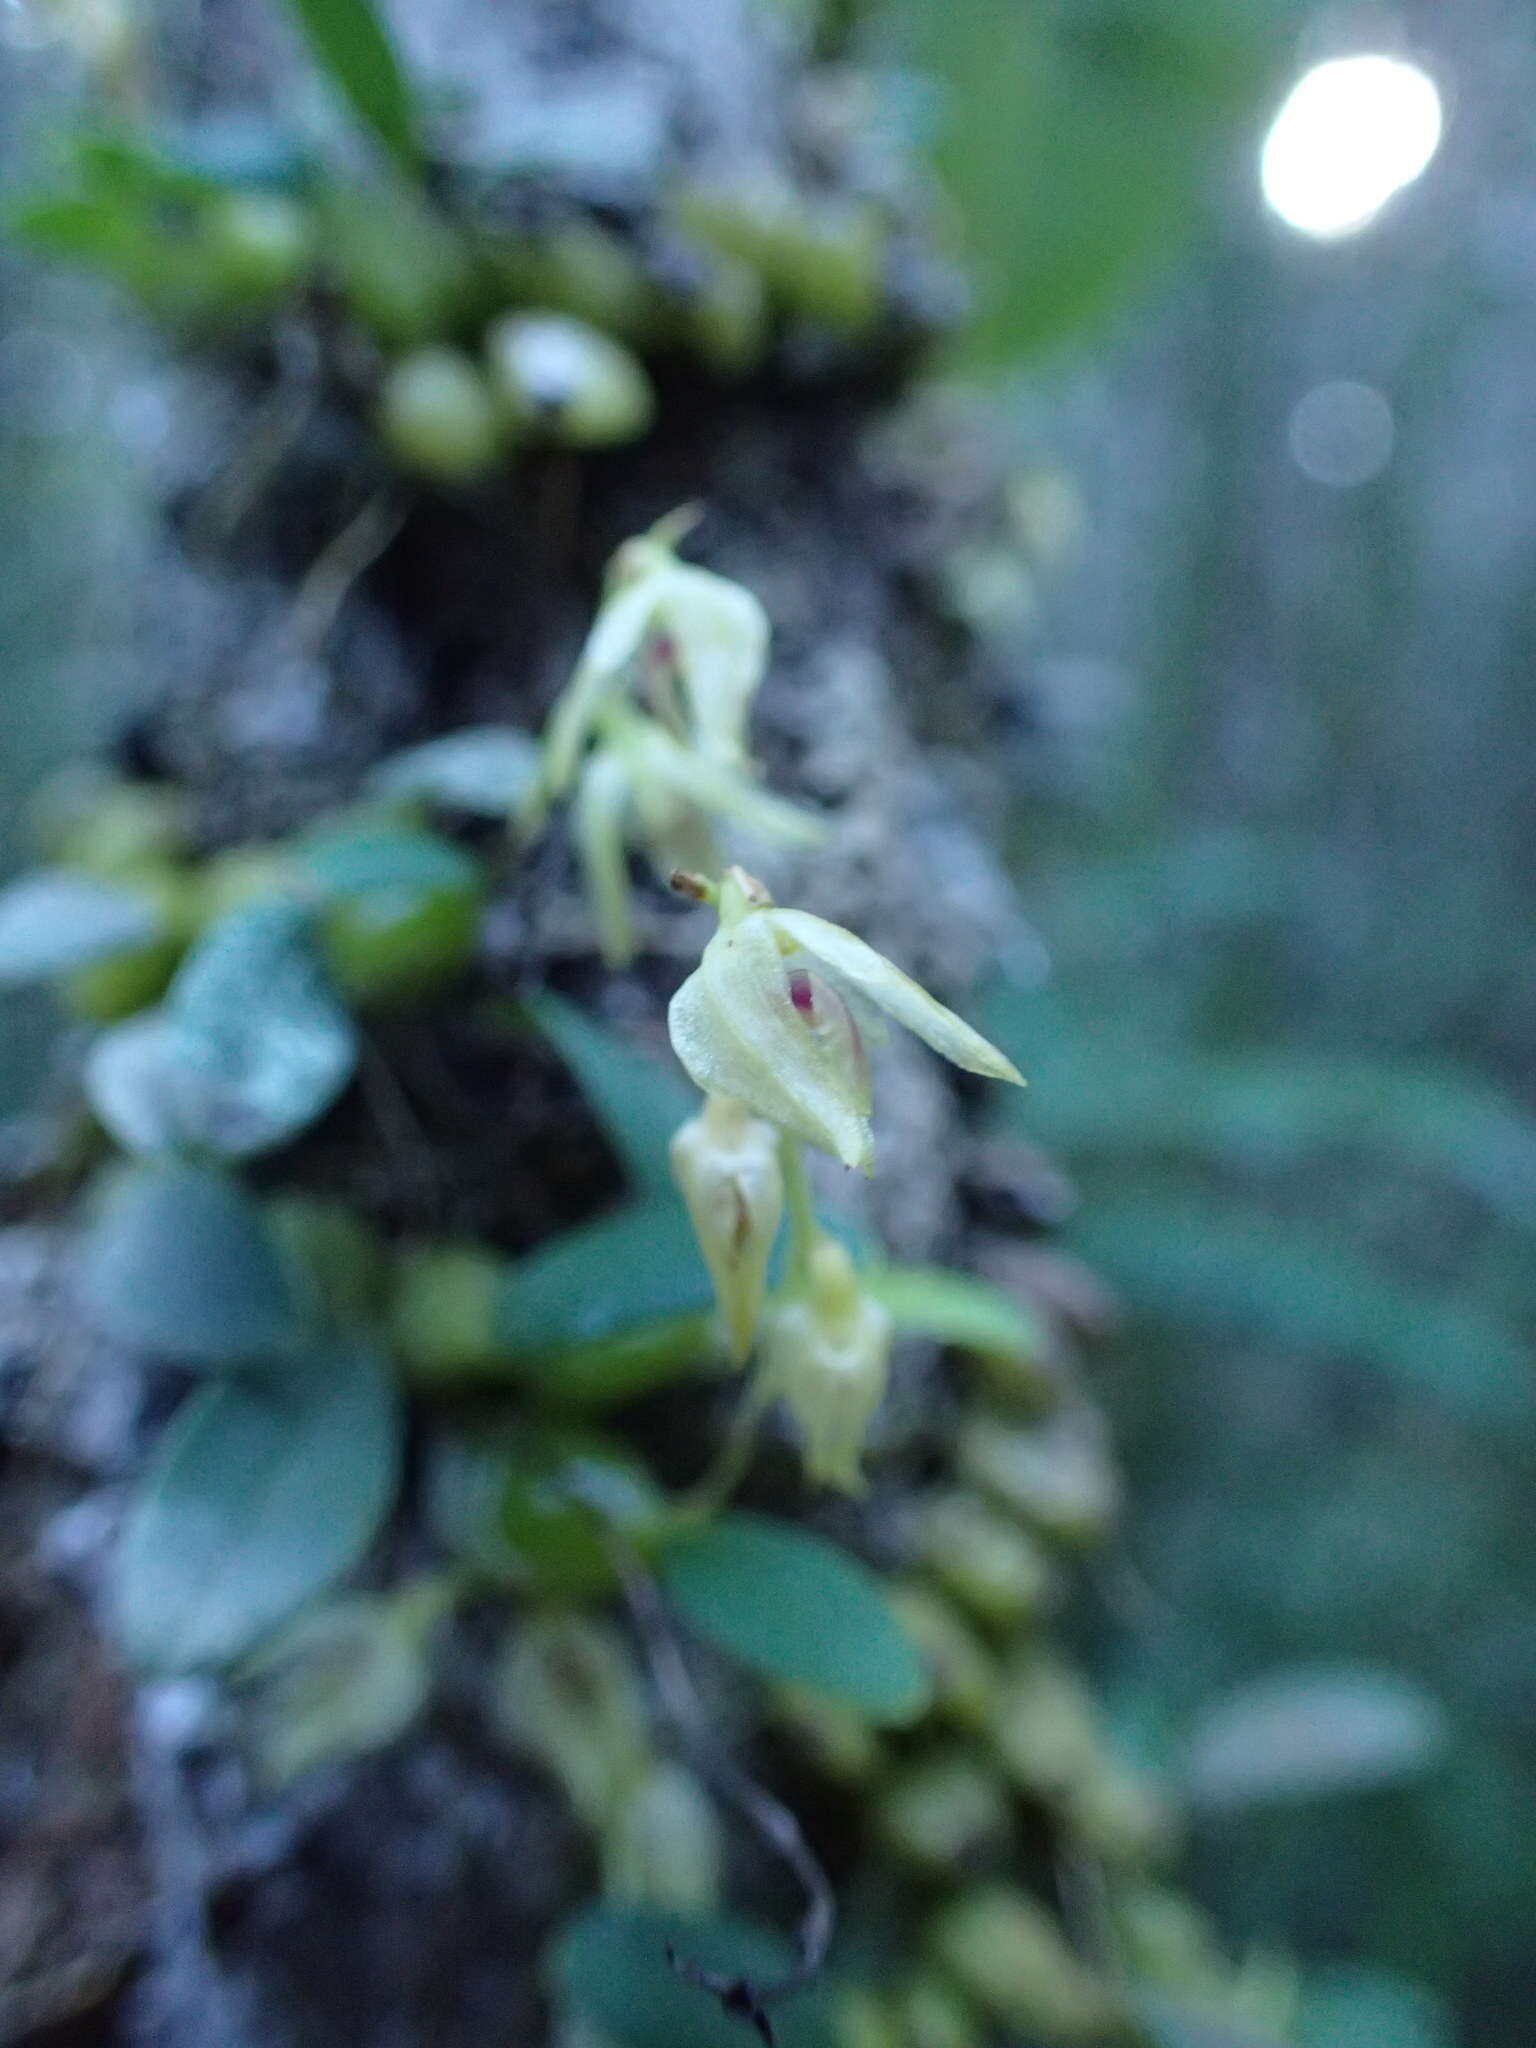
[[347, 1678], [257, 246], [768, 1016], [1165, 1938], [726, 1164], [863, 2019], [996, 1570], [937, 2016], [1118, 1816], [561, 380], [566, 1693], [1058, 1476], [944, 1812], [1003, 1949], [826, 1355], [664, 1846], [1046, 1729], [964, 1675], [437, 416]]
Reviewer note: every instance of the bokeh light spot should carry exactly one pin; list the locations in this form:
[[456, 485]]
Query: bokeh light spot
[[1342, 433], [1354, 131]]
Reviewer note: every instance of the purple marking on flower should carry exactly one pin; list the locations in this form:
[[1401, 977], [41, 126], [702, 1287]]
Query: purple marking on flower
[[802, 993]]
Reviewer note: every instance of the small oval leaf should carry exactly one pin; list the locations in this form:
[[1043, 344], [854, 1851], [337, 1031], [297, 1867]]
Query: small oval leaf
[[482, 769], [251, 1047], [345, 1679], [55, 920], [638, 1099], [384, 871], [610, 1966], [958, 1310], [133, 1086], [176, 1259], [799, 1611], [633, 1267], [398, 907], [1310, 1732], [259, 1498]]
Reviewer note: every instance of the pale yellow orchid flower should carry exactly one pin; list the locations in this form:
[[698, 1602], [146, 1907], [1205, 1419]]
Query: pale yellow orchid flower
[[826, 1356], [768, 1017], [667, 625]]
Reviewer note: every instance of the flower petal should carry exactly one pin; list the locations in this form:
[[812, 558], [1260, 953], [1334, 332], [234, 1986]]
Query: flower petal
[[718, 789], [737, 1028], [721, 634], [870, 974], [616, 637], [599, 818]]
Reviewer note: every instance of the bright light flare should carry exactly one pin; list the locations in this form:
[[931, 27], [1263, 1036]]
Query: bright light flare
[[1354, 131]]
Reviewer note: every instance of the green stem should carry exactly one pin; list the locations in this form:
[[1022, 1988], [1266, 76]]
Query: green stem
[[726, 1470], [803, 1227]]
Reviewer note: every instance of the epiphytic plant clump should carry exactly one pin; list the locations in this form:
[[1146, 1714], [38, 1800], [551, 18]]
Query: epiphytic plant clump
[[1001, 1870], [232, 999], [462, 325]]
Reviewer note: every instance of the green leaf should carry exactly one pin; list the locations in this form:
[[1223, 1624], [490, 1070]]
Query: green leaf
[[613, 1370], [463, 1483], [380, 867], [560, 1491], [957, 1310], [54, 920], [259, 1498], [1078, 143], [130, 165], [71, 228], [398, 907], [589, 1320], [799, 1611], [484, 769], [639, 1100], [251, 1047], [176, 1259], [1348, 2006], [1104, 1094], [609, 1965], [346, 1679], [351, 46], [1168, 2024], [634, 1267], [1310, 1732], [1198, 1261]]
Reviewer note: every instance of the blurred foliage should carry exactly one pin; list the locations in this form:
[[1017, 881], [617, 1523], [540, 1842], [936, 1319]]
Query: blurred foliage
[[1325, 1406], [1286, 1044], [1080, 140]]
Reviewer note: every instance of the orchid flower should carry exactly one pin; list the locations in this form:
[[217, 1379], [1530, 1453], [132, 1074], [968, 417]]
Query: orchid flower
[[650, 734], [726, 1164], [667, 625], [826, 1355], [771, 1017]]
